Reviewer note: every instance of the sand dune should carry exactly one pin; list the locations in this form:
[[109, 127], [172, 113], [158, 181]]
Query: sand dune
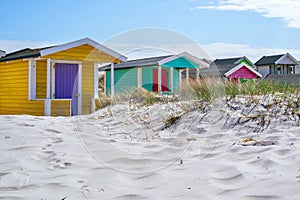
[[133, 153]]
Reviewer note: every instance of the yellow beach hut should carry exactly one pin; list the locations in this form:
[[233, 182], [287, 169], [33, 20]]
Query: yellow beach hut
[[53, 81]]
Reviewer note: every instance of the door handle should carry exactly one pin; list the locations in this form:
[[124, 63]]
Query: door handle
[[77, 95]]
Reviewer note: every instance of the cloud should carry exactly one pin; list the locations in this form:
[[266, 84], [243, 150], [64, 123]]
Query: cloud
[[139, 42], [14, 45], [133, 51], [223, 50], [287, 10], [145, 53], [209, 51]]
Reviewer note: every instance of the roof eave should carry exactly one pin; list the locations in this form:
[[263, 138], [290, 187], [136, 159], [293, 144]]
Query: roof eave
[[80, 42], [244, 57], [240, 66], [127, 67], [194, 59], [287, 55], [19, 57]]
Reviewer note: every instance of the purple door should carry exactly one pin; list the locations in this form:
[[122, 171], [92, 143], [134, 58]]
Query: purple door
[[66, 84]]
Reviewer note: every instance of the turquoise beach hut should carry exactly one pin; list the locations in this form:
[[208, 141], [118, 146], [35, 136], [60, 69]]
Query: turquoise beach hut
[[155, 74]]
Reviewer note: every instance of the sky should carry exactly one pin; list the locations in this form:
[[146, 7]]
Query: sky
[[223, 28]]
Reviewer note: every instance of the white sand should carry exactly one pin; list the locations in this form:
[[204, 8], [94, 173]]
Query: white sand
[[126, 153]]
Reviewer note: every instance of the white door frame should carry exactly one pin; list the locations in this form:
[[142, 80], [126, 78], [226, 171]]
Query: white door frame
[[79, 74]]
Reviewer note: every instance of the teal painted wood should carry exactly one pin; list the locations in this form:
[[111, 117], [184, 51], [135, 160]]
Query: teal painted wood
[[108, 86], [125, 80], [181, 63], [176, 80], [147, 73]]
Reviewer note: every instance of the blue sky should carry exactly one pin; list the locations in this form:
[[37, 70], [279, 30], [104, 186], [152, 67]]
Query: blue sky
[[224, 28]]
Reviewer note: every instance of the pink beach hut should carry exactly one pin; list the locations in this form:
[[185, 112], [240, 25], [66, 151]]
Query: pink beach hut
[[239, 69], [241, 72]]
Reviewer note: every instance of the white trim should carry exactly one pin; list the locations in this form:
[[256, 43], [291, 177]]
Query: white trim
[[159, 78], [70, 102], [284, 56], [244, 58], [67, 61], [187, 75], [55, 99], [194, 59], [139, 77], [180, 79], [171, 80], [48, 78], [104, 84], [93, 105], [47, 107], [96, 80], [80, 42], [80, 89], [198, 75], [53, 81], [26, 59], [240, 66], [112, 79], [31, 79], [168, 59], [38, 58]]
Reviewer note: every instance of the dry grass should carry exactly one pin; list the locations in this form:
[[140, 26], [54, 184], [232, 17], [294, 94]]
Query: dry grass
[[206, 90], [210, 89], [102, 102]]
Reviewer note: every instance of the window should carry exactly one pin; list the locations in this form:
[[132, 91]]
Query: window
[[279, 69], [291, 69]]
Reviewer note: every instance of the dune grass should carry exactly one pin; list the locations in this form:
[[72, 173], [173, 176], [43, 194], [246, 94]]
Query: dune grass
[[207, 90], [133, 96], [212, 88]]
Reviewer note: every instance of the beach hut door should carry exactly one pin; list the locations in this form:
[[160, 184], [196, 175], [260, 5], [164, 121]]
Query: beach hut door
[[164, 80], [66, 84]]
